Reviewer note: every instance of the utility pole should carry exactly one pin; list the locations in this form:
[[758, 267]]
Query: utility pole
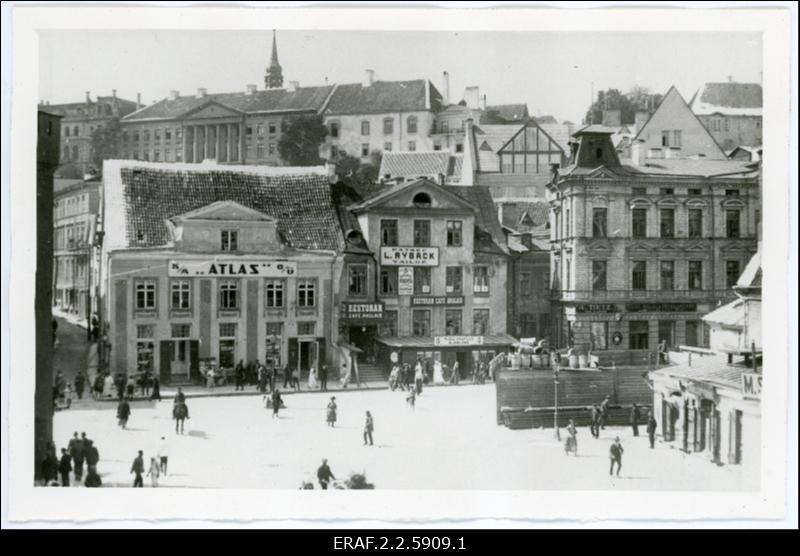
[[555, 402]]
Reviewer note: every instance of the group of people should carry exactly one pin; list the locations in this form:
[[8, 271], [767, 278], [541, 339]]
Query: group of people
[[123, 386], [80, 450], [266, 379], [158, 466]]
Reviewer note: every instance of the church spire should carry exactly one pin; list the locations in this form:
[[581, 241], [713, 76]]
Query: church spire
[[274, 76]]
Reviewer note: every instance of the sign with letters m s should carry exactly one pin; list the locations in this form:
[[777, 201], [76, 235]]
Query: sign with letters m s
[[751, 386]]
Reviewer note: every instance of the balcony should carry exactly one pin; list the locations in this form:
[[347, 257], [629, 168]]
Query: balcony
[[639, 295]]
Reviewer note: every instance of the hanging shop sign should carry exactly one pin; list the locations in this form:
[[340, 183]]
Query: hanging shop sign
[[596, 308], [617, 338], [450, 300], [362, 311], [405, 280], [236, 268], [751, 386], [450, 341], [409, 256], [661, 307]]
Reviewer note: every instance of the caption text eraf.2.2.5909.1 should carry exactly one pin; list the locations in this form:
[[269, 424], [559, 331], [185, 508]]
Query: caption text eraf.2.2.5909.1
[[399, 542]]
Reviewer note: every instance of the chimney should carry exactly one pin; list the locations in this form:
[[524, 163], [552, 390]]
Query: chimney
[[446, 87], [250, 89], [293, 85], [730, 79], [173, 95], [483, 102], [113, 93], [640, 119], [369, 77], [472, 97], [88, 97], [138, 100], [201, 92], [612, 118]]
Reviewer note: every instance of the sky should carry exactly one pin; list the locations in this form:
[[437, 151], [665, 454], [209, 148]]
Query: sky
[[553, 72]]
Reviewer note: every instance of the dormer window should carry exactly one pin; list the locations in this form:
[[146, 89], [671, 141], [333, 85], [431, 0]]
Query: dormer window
[[229, 240], [422, 200]]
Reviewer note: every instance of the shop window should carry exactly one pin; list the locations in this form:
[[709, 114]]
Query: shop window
[[306, 328], [357, 279], [422, 233], [454, 236], [639, 223], [181, 330], [599, 222], [422, 280], [181, 297], [145, 295], [599, 335], [732, 223], [388, 278], [480, 322], [274, 293], [306, 292], [695, 223], [667, 223], [667, 275], [388, 326], [731, 273], [145, 348], [389, 232], [639, 332], [695, 278], [639, 275], [229, 294], [229, 240], [227, 345], [421, 322], [598, 275], [452, 322], [454, 278], [480, 279]]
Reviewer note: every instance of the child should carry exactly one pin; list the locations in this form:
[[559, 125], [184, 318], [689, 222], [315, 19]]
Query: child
[[411, 398]]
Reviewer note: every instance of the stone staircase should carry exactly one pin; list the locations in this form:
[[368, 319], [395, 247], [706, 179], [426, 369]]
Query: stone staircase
[[372, 373]]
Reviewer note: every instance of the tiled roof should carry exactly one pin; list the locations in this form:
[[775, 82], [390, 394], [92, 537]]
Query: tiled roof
[[416, 163], [511, 113], [560, 133], [383, 97], [141, 196], [514, 186], [272, 100], [691, 167], [525, 217], [729, 98]]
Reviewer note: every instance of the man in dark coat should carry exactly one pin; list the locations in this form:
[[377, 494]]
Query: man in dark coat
[[238, 375], [276, 402], [76, 452], [263, 379], [156, 393], [615, 455], [92, 456], [323, 378], [80, 385], [50, 465], [180, 397], [64, 467], [123, 412], [635, 413], [273, 377], [138, 468], [369, 426], [651, 430], [604, 412], [60, 383], [594, 425], [119, 381], [287, 377], [324, 474]]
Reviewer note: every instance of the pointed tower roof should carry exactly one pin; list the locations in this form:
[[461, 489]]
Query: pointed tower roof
[[273, 79]]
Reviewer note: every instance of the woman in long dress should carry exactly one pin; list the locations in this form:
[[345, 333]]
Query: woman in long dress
[[571, 444], [312, 378], [154, 472], [438, 373], [331, 413]]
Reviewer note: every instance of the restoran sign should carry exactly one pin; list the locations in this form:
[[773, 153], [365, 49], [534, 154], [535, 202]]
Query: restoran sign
[[236, 268], [362, 311], [457, 341], [410, 256]]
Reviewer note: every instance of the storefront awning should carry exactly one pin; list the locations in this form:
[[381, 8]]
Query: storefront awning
[[429, 342]]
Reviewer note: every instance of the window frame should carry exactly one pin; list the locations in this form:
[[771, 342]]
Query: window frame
[[228, 294], [423, 279], [454, 279], [360, 271], [306, 288], [274, 288], [391, 241], [479, 286], [455, 233], [694, 269], [422, 226], [597, 264], [229, 238], [599, 225], [426, 321], [148, 292], [666, 225], [639, 270], [388, 276], [183, 289], [639, 225], [670, 283], [694, 225]]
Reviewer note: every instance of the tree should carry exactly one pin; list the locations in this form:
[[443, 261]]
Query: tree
[[299, 145], [361, 176], [638, 99], [106, 143]]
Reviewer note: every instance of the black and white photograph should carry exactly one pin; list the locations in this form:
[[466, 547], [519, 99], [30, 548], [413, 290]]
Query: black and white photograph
[[270, 251]]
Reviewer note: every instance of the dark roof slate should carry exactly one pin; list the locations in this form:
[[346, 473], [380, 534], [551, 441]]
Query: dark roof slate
[[732, 95], [382, 97]]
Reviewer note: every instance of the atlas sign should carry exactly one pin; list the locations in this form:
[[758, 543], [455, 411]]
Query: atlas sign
[[232, 268]]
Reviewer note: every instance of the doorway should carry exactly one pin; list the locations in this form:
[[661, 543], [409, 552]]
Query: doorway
[[307, 356], [180, 364], [363, 337]]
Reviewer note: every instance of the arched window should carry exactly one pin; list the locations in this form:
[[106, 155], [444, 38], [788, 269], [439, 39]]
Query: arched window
[[422, 200], [411, 124]]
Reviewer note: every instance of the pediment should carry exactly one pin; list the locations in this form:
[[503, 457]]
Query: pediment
[[406, 196], [485, 147], [229, 211], [641, 247], [733, 203], [600, 200], [698, 247], [211, 109], [667, 202], [640, 202], [696, 203], [598, 246], [738, 247]]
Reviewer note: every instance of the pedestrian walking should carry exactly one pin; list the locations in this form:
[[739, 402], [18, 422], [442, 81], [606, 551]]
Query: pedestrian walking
[[238, 376], [635, 414], [180, 412], [276, 403], [438, 373], [163, 454], [80, 385], [156, 393], [92, 456], [604, 413], [324, 475], [119, 382], [138, 468], [394, 377], [154, 472], [59, 383], [64, 467], [262, 379], [615, 455], [93, 480], [211, 380], [594, 424], [571, 443], [651, 430], [50, 465], [98, 385], [144, 384], [296, 379], [331, 413], [287, 377], [273, 376], [123, 413], [411, 398], [76, 452], [455, 376], [312, 378], [323, 378], [419, 376], [369, 427]]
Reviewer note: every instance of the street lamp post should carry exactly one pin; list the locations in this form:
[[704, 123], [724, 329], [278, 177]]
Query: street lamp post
[[555, 404]]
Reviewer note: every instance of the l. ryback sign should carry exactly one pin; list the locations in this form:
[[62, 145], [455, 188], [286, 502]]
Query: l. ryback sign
[[409, 256], [233, 268]]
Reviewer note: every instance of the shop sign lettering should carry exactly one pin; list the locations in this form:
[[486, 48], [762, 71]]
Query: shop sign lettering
[[445, 341], [661, 307], [410, 256], [232, 268], [596, 308], [441, 300], [362, 311], [751, 386], [405, 280]]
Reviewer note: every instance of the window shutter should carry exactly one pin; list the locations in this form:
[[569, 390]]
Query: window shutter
[[732, 437], [194, 358]]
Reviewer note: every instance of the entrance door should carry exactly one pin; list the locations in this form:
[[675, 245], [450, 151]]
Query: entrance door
[[363, 337], [307, 357], [180, 365], [639, 333]]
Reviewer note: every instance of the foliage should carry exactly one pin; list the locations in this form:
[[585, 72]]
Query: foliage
[[638, 99], [300, 144], [106, 143], [361, 176], [358, 481]]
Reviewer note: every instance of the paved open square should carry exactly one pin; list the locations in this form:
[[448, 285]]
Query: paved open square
[[449, 441]]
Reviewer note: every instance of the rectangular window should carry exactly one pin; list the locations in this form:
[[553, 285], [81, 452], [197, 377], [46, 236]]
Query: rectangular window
[[389, 232], [388, 126], [411, 127], [357, 279], [229, 294], [306, 328], [731, 273], [167, 155], [480, 279], [229, 240], [145, 331], [437, 147], [334, 129], [639, 332], [677, 138], [365, 127], [731, 192], [667, 275], [227, 330], [157, 134], [454, 278], [273, 293], [272, 127], [156, 155], [260, 130], [422, 233], [695, 191], [388, 326], [145, 295], [695, 223], [692, 336], [275, 329], [639, 275], [480, 322], [524, 284], [168, 134], [389, 280], [459, 147], [599, 331], [667, 222], [598, 275], [665, 138], [306, 292], [412, 145], [732, 223], [178, 154], [249, 131], [179, 133], [387, 147], [271, 148], [421, 322], [181, 330], [695, 281], [666, 332], [181, 294], [365, 149], [422, 280], [260, 150], [452, 322], [599, 222], [454, 237], [639, 223]]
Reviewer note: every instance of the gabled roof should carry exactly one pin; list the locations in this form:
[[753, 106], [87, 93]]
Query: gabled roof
[[511, 113], [383, 195], [730, 315], [141, 196], [224, 210], [490, 139], [526, 216], [384, 97], [751, 276], [729, 98], [420, 163], [559, 133], [303, 99]]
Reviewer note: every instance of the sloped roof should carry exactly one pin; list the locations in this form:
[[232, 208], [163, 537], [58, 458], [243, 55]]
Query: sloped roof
[[525, 217], [141, 196], [729, 98], [510, 112], [560, 133], [712, 369], [417, 163], [751, 276], [485, 218], [63, 184], [730, 314], [383, 97], [692, 167], [272, 100], [488, 140], [343, 196]]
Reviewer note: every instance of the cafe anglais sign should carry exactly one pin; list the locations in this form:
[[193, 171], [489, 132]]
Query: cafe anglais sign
[[410, 256], [233, 268], [362, 311]]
